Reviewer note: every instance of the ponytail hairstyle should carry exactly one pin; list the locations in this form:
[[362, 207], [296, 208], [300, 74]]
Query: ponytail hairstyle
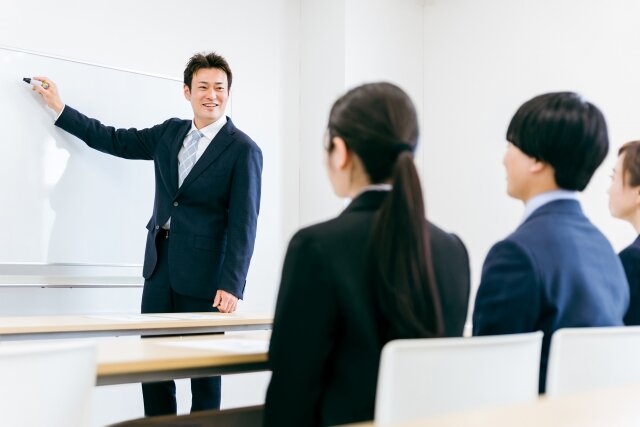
[[378, 123]]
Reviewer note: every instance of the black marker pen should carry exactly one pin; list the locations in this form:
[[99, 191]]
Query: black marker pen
[[29, 80]]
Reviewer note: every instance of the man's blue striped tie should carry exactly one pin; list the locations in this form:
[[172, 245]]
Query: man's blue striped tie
[[187, 157]]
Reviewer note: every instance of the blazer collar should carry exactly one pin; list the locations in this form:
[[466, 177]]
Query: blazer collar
[[213, 151], [181, 134], [560, 206], [368, 201]]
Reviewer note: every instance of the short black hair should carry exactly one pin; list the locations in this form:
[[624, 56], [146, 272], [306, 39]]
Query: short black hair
[[206, 60], [565, 131]]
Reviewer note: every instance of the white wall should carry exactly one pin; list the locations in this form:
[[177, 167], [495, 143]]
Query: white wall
[[346, 43], [483, 59], [384, 42], [322, 62]]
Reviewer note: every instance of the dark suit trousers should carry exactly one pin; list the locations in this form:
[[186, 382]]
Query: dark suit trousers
[[159, 297]]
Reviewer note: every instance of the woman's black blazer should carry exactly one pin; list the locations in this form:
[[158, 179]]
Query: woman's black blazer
[[325, 347]]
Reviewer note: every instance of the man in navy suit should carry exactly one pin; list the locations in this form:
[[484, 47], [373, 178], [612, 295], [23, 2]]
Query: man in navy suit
[[207, 197], [556, 270]]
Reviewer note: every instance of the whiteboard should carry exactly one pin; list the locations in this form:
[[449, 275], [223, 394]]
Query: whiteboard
[[63, 202]]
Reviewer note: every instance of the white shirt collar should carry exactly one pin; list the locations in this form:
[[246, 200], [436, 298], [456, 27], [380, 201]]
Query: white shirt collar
[[210, 131], [544, 198], [371, 187], [374, 187]]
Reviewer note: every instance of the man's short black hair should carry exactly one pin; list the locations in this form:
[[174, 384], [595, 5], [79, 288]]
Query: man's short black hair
[[565, 131], [206, 60]]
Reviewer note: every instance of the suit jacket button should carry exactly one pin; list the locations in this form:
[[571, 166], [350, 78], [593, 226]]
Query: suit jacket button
[[157, 227], [175, 203]]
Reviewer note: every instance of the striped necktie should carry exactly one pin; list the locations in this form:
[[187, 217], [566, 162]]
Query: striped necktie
[[187, 156]]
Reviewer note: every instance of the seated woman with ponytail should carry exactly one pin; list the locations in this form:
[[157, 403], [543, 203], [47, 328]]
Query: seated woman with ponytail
[[377, 272]]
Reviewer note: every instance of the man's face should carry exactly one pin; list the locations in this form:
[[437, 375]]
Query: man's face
[[208, 95], [518, 167]]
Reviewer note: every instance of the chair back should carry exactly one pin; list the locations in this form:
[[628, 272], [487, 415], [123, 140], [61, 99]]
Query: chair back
[[421, 378], [46, 384], [589, 358]]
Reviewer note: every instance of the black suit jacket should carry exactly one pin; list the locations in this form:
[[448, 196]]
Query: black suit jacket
[[325, 347], [630, 257], [214, 212]]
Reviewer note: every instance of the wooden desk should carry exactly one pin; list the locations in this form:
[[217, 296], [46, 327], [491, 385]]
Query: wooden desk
[[619, 407], [128, 360], [101, 325]]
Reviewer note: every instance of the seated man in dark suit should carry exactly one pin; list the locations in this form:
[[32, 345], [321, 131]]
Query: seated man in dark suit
[[556, 270]]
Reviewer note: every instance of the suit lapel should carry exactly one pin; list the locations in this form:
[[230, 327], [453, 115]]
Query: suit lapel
[[173, 157], [213, 151]]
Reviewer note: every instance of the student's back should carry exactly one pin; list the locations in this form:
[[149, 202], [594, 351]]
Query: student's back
[[326, 341], [556, 270], [339, 302], [578, 269]]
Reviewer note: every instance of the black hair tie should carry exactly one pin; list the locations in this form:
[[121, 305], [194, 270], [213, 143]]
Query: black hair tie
[[401, 147]]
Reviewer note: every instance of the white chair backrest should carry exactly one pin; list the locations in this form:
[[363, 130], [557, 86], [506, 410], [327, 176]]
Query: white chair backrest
[[588, 358], [426, 377], [46, 384]]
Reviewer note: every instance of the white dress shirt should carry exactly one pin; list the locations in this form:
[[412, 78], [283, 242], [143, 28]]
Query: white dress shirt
[[209, 133]]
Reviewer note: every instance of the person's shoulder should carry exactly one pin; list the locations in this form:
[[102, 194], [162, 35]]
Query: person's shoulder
[[345, 229], [543, 229], [171, 124], [320, 229], [563, 232], [169, 129], [441, 238], [307, 239], [513, 248], [631, 254], [174, 121], [243, 140], [442, 235]]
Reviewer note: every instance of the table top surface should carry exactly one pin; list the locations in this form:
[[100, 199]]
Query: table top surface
[[615, 406], [127, 321], [117, 356]]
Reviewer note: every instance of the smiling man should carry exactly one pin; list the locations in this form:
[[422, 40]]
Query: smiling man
[[207, 197]]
